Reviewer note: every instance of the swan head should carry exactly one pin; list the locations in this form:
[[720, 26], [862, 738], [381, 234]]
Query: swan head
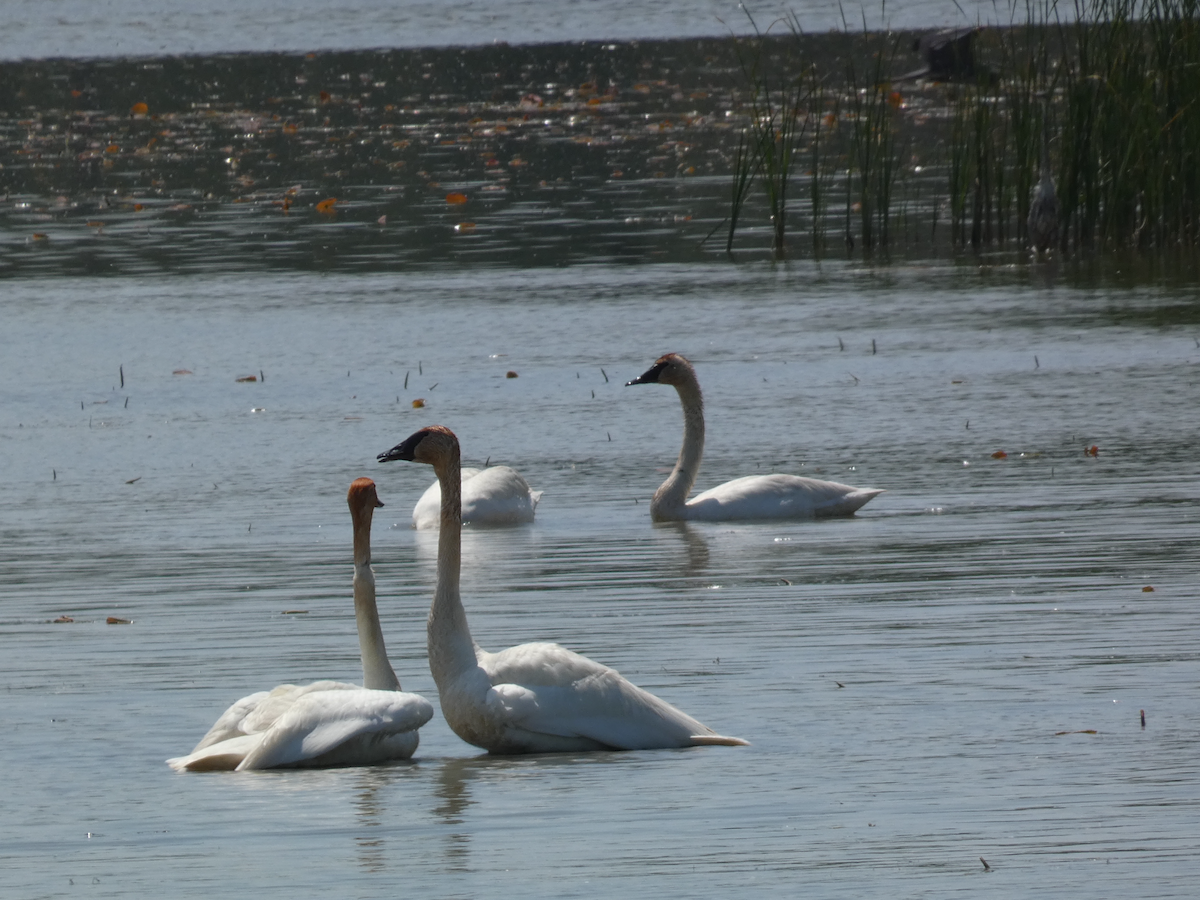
[[429, 445], [671, 369], [362, 496]]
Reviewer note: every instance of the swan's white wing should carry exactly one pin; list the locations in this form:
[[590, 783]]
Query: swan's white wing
[[778, 497], [229, 723], [551, 690], [257, 712], [322, 721], [491, 497], [427, 512], [225, 755]]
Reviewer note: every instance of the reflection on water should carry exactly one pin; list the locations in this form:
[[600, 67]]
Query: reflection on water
[[956, 672]]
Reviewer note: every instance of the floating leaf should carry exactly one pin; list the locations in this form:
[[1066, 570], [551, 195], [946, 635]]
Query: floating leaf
[[419, 403], [139, 109], [112, 148], [115, 620], [326, 207], [895, 99], [61, 619], [999, 454], [325, 96], [40, 236], [454, 197], [182, 372], [1092, 450], [137, 207], [244, 378], [510, 374], [1148, 589]]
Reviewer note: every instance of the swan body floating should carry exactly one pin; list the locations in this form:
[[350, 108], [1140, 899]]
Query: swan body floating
[[491, 498], [751, 497], [326, 723], [532, 698]]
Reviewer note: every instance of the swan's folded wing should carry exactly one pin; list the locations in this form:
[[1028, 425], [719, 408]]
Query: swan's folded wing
[[229, 724], [603, 707], [223, 756], [320, 721], [778, 497]]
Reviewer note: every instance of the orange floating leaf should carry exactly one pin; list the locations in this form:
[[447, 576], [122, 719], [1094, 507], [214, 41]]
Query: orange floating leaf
[[1092, 450], [112, 148], [326, 207], [999, 454], [290, 127], [76, 93], [139, 109], [115, 620], [1148, 589], [454, 197], [137, 207], [245, 378], [40, 236], [419, 403], [895, 99]]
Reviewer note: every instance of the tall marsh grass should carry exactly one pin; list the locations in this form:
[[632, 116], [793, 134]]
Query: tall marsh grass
[[1114, 83]]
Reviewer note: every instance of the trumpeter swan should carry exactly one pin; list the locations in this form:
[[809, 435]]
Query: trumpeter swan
[[750, 497], [326, 723], [491, 498], [532, 698]]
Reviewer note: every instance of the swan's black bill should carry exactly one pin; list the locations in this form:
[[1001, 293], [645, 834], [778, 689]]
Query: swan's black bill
[[650, 376], [404, 450]]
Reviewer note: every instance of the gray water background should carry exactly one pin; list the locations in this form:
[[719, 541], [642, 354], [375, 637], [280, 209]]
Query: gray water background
[[88, 28], [917, 681]]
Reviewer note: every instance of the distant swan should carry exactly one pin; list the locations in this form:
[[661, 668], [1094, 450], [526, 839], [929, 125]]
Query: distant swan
[[750, 497], [491, 498], [326, 723], [532, 698]]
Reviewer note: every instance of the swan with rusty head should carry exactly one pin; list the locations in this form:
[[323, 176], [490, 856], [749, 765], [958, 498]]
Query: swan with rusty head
[[326, 723], [531, 698]]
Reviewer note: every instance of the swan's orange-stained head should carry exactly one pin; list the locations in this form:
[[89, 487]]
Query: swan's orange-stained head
[[671, 369], [362, 495], [429, 445]]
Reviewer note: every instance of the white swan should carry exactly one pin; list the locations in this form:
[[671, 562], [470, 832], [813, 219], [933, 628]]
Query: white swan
[[751, 497], [326, 723], [491, 497], [532, 698]]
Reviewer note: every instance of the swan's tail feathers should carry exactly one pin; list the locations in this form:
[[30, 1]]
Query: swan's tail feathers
[[717, 740], [534, 497], [851, 503]]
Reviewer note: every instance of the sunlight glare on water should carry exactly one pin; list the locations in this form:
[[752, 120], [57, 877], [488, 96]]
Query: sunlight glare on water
[[920, 683]]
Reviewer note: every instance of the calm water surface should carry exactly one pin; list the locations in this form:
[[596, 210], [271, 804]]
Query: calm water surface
[[89, 28], [919, 682]]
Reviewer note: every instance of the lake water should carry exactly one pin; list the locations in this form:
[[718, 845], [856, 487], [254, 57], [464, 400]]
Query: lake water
[[955, 673], [88, 28]]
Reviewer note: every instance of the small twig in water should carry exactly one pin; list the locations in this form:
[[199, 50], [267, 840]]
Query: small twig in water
[[852, 375], [121, 369], [841, 346], [1036, 364], [406, 381], [986, 867], [605, 374], [872, 346]]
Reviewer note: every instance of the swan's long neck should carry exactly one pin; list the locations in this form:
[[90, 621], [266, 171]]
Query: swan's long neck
[[451, 649], [377, 671], [674, 491]]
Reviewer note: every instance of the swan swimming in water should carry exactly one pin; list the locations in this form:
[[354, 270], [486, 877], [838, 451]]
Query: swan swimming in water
[[491, 498], [750, 497], [326, 723], [532, 698]]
